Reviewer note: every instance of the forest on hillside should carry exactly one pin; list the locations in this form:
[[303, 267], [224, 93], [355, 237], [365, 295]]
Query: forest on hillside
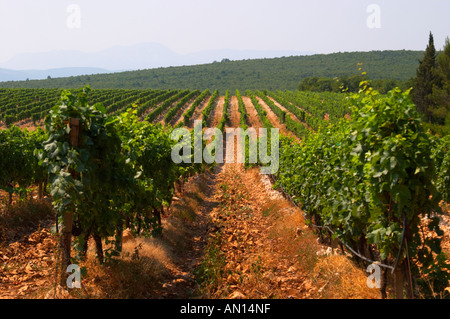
[[271, 74]]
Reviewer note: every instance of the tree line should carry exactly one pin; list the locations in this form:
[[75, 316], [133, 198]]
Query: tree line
[[349, 83], [431, 92], [430, 86]]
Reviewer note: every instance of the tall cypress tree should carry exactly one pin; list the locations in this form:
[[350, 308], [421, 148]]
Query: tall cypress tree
[[425, 79], [441, 91]]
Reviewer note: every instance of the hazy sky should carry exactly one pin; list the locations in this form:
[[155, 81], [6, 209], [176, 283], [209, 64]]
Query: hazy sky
[[185, 26]]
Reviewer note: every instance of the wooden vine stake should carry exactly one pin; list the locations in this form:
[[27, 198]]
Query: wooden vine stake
[[67, 218], [398, 283]]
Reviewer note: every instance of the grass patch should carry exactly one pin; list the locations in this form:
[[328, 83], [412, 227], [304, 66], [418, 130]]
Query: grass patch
[[194, 195], [184, 210], [139, 272], [269, 209], [210, 273], [297, 239], [23, 218], [339, 278], [140, 269], [335, 276]]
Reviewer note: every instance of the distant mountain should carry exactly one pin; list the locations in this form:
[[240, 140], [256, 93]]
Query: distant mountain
[[283, 73], [13, 75], [134, 57]]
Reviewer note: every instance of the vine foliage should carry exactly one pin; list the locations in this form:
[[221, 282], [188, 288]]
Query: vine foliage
[[371, 180], [119, 174]]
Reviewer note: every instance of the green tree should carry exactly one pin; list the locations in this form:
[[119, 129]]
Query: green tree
[[425, 80], [441, 90]]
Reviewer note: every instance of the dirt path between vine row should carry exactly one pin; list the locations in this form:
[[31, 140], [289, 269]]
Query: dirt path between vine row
[[253, 118], [292, 115], [255, 242], [299, 107], [160, 117], [179, 117], [253, 262], [273, 118], [234, 111], [217, 112], [149, 110], [197, 116], [29, 125]]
